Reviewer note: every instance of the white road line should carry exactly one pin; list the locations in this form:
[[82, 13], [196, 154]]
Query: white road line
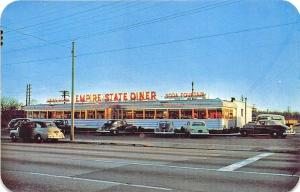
[[240, 164], [94, 180], [125, 163]]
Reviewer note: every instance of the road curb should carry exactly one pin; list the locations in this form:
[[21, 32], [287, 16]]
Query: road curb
[[294, 151], [181, 147]]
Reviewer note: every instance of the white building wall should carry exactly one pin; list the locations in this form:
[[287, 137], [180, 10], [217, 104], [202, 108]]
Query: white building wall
[[240, 110]]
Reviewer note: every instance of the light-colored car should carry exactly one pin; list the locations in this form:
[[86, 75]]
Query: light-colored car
[[196, 128], [38, 131]]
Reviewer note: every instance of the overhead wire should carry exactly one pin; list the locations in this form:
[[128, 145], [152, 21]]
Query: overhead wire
[[67, 16], [36, 37], [165, 43], [39, 46], [150, 21]]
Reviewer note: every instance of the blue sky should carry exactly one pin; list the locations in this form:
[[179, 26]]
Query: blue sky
[[228, 48]]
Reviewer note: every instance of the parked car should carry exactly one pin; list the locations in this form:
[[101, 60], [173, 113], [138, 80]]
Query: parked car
[[38, 131], [270, 127], [166, 127], [63, 125], [14, 123], [196, 128], [115, 127]]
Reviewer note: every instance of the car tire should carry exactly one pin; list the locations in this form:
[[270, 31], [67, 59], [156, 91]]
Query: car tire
[[275, 134], [114, 132], [38, 138], [244, 133], [13, 138], [283, 136]]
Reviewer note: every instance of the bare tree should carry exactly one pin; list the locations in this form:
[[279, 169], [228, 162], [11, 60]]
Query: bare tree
[[8, 103]]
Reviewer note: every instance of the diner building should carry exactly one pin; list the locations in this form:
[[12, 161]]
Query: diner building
[[143, 109]]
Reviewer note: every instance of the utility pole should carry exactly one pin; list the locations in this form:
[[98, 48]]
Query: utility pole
[[1, 41], [192, 90], [245, 110], [29, 93], [65, 94], [26, 94], [72, 137]]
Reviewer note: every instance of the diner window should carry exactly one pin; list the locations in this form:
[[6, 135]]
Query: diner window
[[35, 114], [127, 114], [51, 115], [214, 113], [43, 115], [201, 113], [82, 116], [67, 114], [161, 114], [29, 114], [59, 115], [91, 114], [231, 115], [226, 113], [186, 114], [138, 114], [100, 115], [173, 114], [77, 115], [116, 113], [149, 114]]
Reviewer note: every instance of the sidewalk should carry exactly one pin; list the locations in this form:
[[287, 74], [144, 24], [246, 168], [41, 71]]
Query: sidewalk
[[156, 144]]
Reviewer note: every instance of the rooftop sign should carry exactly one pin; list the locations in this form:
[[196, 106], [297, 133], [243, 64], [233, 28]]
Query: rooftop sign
[[116, 97], [184, 95]]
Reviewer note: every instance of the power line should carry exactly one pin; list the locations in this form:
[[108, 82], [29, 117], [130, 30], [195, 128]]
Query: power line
[[188, 39], [67, 16], [151, 21], [78, 24], [35, 37], [166, 43], [158, 19], [112, 10]]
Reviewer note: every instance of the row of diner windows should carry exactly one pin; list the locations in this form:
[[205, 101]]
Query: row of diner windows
[[137, 114]]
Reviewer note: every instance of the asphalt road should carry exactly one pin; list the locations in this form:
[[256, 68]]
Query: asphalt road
[[90, 167]]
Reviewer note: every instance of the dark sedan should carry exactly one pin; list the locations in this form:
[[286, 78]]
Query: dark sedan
[[268, 127], [115, 127]]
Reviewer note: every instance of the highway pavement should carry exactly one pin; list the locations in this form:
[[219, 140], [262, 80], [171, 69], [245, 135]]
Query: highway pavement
[[169, 164]]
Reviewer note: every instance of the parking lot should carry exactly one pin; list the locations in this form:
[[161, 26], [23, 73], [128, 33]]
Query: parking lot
[[147, 163]]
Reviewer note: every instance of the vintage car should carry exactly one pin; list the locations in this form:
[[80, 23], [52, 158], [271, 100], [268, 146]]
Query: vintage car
[[270, 127], [165, 127], [38, 131], [196, 128], [63, 125], [114, 127], [14, 123]]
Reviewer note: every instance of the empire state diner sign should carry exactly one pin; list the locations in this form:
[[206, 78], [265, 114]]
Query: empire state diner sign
[[113, 97]]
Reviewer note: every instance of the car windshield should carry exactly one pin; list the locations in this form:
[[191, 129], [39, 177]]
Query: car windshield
[[164, 124], [198, 124], [48, 124]]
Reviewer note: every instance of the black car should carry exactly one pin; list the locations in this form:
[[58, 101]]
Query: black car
[[115, 127], [268, 127], [15, 123]]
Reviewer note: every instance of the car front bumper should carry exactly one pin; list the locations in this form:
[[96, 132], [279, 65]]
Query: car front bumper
[[199, 133], [289, 132]]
